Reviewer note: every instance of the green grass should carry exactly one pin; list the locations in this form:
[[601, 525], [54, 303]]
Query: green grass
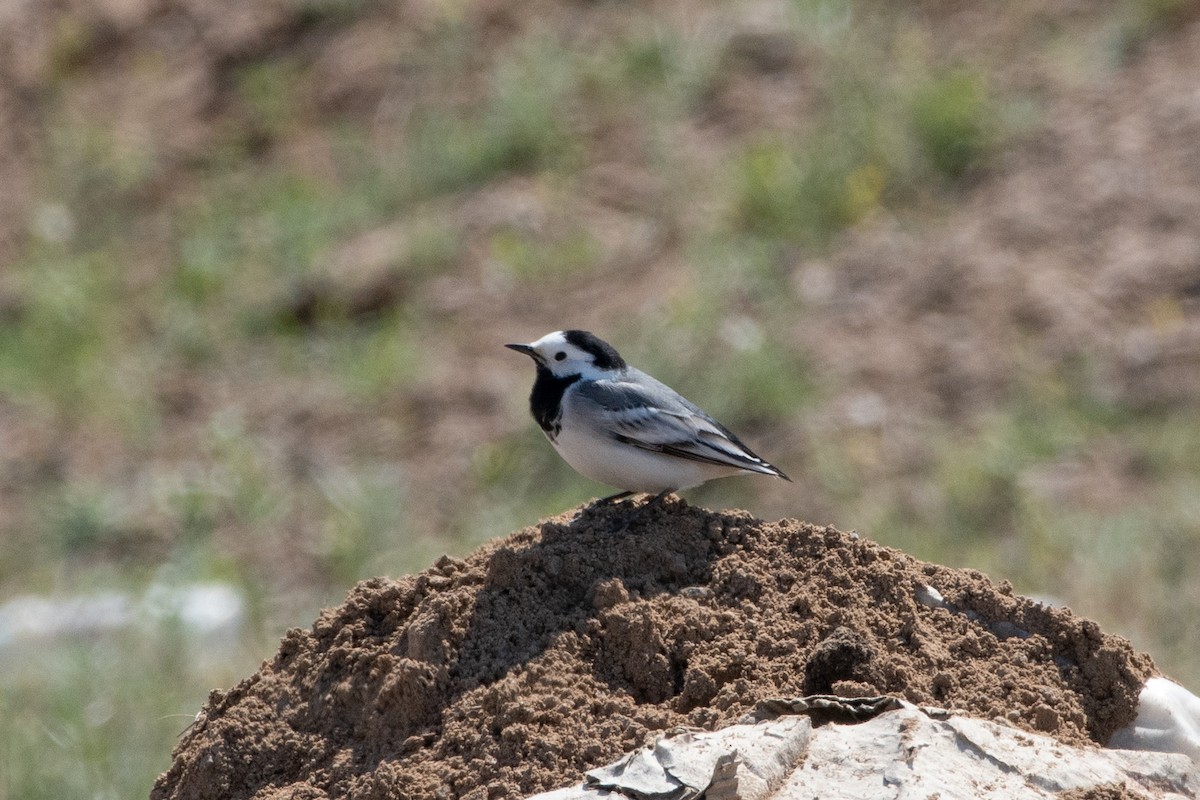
[[1136, 22], [268, 93], [520, 479], [522, 127], [86, 518], [364, 520], [889, 129], [98, 718], [954, 122], [809, 192], [531, 259], [881, 143], [53, 352]]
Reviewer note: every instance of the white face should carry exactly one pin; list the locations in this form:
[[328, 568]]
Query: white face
[[562, 358]]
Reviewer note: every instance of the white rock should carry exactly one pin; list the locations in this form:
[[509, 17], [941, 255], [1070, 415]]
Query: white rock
[[899, 754], [1168, 721]]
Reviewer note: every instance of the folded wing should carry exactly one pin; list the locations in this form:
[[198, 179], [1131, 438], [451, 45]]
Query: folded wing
[[652, 416]]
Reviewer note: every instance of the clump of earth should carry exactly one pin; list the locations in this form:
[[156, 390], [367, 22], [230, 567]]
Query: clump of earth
[[566, 644]]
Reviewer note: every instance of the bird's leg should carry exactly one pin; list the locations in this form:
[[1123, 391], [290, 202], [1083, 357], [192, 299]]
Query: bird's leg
[[612, 498], [605, 502], [639, 512], [655, 501]]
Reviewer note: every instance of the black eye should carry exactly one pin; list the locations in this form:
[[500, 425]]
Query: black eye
[[559, 356]]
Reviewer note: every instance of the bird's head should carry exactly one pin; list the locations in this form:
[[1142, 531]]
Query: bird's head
[[565, 353]]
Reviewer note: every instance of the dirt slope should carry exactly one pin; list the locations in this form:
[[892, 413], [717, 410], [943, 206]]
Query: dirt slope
[[563, 645]]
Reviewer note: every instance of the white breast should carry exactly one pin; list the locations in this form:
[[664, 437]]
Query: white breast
[[602, 458]]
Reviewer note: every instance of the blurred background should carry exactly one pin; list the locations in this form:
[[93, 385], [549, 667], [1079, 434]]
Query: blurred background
[[940, 261]]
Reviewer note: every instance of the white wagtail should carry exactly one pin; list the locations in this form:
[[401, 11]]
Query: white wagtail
[[617, 425]]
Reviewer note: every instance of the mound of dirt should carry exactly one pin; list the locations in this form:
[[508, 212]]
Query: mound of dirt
[[564, 645]]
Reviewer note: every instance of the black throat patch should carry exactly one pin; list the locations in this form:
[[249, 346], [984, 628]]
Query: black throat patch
[[545, 402]]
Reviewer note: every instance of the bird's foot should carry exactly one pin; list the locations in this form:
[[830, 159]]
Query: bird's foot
[[605, 502], [599, 505], [657, 500], [638, 513], [612, 499]]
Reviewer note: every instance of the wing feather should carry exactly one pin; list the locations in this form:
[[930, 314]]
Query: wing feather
[[650, 415]]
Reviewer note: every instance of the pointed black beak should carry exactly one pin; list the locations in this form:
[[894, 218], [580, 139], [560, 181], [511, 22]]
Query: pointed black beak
[[523, 348]]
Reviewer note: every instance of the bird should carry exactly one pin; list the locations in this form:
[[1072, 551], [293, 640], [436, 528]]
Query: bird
[[619, 426]]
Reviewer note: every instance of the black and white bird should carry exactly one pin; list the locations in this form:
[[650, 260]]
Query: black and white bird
[[617, 425]]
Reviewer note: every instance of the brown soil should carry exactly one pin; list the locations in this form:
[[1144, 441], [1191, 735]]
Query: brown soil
[[1111, 791], [560, 647]]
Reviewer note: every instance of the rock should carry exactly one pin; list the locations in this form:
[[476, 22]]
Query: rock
[[902, 752]]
